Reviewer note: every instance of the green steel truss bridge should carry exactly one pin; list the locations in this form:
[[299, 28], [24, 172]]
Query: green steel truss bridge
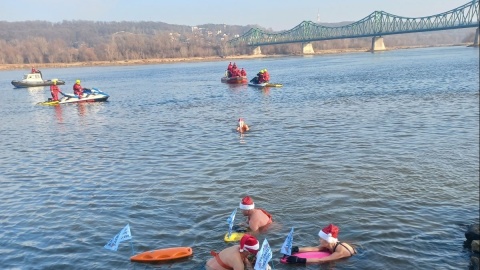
[[376, 25]]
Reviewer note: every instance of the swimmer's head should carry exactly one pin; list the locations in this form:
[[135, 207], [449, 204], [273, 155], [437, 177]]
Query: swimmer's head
[[249, 243], [329, 233], [241, 123]]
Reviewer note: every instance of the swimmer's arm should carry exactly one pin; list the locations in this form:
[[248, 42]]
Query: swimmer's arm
[[253, 227], [308, 249], [334, 256]]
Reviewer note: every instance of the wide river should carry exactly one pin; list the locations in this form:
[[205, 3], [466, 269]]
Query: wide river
[[384, 145]]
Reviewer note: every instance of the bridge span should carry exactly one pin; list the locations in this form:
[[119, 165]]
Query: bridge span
[[375, 25]]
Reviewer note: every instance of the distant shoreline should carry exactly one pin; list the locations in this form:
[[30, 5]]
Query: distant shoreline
[[187, 60]]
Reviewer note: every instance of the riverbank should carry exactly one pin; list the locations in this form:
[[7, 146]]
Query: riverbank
[[188, 59], [155, 61], [122, 62]]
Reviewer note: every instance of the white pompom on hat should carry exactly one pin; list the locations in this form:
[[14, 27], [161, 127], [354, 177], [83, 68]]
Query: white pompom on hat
[[247, 203], [249, 243], [329, 233]]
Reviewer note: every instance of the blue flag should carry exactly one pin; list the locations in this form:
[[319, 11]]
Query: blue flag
[[123, 235], [264, 255], [230, 221], [287, 245]]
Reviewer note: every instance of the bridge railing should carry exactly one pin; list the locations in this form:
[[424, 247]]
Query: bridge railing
[[378, 23]]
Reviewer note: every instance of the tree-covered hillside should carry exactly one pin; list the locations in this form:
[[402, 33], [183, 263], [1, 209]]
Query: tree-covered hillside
[[83, 41]]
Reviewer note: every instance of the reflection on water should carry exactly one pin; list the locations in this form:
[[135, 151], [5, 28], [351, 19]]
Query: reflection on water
[[35, 94], [266, 90], [242, 138], [58, 113], [35, 89], [81, 106], [237, 87]]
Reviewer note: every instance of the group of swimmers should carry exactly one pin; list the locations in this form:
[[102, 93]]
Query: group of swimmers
[[243, 255]]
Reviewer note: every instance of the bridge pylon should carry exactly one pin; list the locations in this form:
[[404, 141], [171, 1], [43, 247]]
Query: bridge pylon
[[377, 44], [476, 41], [308, 48]]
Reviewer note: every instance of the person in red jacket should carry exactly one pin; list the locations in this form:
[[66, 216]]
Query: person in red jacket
[[78, 89], [229, 70], [243, 72], [261, 77], [266, 75], [54, 90]]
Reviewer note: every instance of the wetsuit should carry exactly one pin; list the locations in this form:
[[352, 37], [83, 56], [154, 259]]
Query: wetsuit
[[78, 90], [54, 90]]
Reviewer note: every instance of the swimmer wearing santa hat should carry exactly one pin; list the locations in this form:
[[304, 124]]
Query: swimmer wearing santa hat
[[257, 218], [328, 242], [240, 256]]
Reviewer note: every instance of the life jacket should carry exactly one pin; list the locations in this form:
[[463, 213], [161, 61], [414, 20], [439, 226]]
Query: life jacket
[[77, 88]]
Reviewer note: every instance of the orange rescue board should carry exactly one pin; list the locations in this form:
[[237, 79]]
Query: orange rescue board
[[161, 255]]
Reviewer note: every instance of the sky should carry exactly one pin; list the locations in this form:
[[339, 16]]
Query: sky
[[276, 15]]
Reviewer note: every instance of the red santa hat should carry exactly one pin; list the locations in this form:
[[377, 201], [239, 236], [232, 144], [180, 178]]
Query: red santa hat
[[329, 233], [249, 243], [247, 203]]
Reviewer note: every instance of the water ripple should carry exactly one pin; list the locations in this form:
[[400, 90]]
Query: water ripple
[[383, 145]]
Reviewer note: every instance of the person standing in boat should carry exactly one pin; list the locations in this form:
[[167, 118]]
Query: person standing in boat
[[229, 70], [54, 90], [234, 71], [243, 72], [238, 72], [34, 70], [78, 89]]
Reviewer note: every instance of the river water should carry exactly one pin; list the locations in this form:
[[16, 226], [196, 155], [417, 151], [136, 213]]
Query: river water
[[384, 145]]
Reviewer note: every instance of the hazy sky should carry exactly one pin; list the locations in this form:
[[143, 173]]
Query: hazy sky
[[275, 14]]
